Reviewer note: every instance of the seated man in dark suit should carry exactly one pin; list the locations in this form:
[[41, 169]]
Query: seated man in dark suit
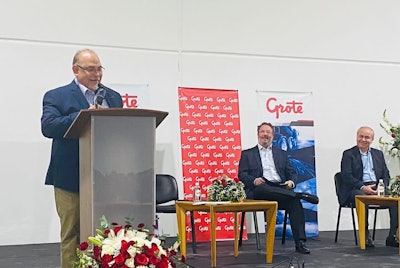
[[361, 169], [268, 175]]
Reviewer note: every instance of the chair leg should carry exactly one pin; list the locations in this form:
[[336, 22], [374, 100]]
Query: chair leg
[[194, 244], [338, 220], [256, 229], [284, 228], [157, 218], [354, 226], [241, 228], [373, 232]]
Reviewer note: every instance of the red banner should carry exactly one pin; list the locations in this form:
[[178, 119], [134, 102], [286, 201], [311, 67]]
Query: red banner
[[211, 147]]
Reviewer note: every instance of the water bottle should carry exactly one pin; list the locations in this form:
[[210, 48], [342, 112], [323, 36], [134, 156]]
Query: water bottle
[[196, 192], [381, 188]]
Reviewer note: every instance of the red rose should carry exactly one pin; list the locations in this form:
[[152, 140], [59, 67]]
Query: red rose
[[83, 246], [140, 225], [153, 260], [154, 247], [236, 180], [163, 263], [149, 251], [141, 259], [105, 260], [124, 246], [119, 259], [97, 253], [393, 135], [223, 182]]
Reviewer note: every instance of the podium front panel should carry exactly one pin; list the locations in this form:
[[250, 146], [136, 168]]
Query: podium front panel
[[117, 179]]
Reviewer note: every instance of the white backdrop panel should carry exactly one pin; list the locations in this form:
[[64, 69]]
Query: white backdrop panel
[[149, 24], [357, 30]]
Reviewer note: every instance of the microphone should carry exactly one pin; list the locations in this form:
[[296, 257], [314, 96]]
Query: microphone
[[98, 101]]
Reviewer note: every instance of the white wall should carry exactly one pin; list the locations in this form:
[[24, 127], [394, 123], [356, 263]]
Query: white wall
[[345, 52]]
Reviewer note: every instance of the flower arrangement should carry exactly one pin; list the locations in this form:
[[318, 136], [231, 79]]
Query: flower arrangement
[[393, 145], [226, 189], [122, 246], [394, 186]]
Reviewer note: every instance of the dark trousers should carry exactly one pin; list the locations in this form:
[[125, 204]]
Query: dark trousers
[[287, 200]]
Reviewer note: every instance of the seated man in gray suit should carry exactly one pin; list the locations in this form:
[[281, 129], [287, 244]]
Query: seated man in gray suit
[[361, 169]]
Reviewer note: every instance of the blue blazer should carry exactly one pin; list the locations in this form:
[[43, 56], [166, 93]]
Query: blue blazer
[[352, 171], [60, 107], [250, 167]]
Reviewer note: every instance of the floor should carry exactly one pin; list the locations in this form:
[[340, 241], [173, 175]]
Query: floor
[[324, 253]]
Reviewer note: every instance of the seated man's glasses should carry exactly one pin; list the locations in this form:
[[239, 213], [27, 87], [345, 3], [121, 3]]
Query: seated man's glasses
[[92, 69]]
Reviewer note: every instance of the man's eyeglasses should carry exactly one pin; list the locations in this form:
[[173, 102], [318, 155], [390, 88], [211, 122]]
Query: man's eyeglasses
[[92, 69]]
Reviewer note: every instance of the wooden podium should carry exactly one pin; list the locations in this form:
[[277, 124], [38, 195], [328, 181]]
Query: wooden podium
[[117, 177]]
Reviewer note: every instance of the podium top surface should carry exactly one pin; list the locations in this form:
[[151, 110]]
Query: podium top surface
[[84, 116]]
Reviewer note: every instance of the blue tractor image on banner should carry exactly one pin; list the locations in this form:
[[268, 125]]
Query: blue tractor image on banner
[[286, 138], [297, 138]]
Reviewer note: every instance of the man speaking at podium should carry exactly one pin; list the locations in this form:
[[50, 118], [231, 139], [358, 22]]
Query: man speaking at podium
[[60, 107]]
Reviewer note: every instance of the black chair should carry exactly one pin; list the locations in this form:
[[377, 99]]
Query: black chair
[[256, 228], [167, 191], [350, 204], [284, 227]]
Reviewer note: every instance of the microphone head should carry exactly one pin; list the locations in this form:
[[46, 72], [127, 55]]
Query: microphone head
[[100, 85], [101, 95], [99, 100]]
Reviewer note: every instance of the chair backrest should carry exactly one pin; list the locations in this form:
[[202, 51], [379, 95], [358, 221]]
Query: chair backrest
[[338, 183], [166, 188], [338, 186]]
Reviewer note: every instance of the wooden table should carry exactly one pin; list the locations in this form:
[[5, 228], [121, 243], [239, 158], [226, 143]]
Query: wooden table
[[362, 201], [270, 207]]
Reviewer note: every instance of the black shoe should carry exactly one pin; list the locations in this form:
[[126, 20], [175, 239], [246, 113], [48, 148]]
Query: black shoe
[[313, 199], [392, 242], [369, 243], [302, 248]]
